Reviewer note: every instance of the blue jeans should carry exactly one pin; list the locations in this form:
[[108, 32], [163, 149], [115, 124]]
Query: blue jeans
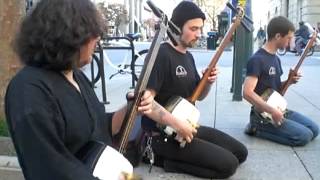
[[296, 130]]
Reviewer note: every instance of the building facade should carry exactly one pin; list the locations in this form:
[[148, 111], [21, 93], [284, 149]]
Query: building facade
[[296, 10], [135, 8]]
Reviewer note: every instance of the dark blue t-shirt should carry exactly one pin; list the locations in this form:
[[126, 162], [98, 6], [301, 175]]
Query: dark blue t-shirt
[[267, 67]]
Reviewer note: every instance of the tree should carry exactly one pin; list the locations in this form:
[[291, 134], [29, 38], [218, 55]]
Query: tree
[[149, 26], [11, 13], [212, 9], [115, 15]]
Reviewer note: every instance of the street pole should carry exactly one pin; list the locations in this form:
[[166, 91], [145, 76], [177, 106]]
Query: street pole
[[131, 16], [242, 52]]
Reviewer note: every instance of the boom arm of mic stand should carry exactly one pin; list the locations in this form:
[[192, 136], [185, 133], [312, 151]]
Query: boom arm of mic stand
[[173, 31], [155, 9]]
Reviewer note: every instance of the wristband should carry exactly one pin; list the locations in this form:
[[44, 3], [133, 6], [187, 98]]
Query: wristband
[[128, 98]]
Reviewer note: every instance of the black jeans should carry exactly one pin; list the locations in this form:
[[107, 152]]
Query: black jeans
[[211, 154]]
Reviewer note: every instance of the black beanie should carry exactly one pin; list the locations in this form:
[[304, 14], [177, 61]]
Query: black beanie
[[185, 11]]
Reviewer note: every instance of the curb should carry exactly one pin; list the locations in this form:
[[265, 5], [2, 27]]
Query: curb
[[9, 165], [10, 169], [10, 162]]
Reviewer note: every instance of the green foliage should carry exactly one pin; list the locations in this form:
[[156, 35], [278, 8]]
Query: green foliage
[[4, 131]]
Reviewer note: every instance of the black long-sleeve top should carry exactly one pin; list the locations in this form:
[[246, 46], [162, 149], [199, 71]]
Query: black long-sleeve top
[[50, 121]]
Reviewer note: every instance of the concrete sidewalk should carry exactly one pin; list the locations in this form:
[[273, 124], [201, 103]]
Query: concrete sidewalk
[[266, 160]]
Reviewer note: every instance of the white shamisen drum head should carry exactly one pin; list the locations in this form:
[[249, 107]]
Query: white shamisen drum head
[[111, 164]]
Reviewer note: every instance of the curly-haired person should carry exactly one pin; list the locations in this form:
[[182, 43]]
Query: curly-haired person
[[51, 109]]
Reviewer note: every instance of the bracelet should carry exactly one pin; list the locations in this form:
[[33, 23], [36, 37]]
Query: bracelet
[[128, 98]]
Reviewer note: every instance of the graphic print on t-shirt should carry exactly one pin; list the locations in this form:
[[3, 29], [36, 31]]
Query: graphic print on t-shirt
[[181, 71], [272, 71]]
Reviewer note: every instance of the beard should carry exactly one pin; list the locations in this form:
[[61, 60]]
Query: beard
[[189, 44]]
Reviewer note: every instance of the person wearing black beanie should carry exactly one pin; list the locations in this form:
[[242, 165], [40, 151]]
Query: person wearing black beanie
[[185, 11], [209, 153]]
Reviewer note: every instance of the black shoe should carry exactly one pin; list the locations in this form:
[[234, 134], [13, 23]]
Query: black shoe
[[250, 130]]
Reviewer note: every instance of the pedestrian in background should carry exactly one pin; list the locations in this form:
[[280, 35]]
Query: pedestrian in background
[[261, 37]]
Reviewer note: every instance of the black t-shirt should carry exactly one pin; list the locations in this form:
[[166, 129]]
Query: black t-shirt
[[174, 74], [267, 67], [50, 121]]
